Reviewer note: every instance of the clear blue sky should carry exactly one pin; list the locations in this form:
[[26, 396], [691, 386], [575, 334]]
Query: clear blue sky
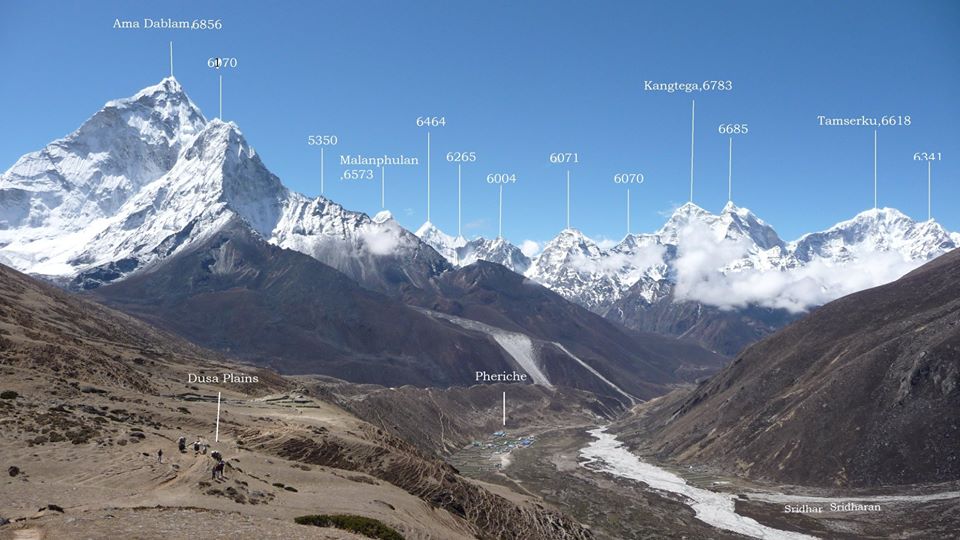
[[519, 80]]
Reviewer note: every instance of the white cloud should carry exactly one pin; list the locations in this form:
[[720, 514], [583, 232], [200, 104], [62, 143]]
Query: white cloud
[[605, 243], [613, 262], [700, 259], [529, 248], [382, 239]]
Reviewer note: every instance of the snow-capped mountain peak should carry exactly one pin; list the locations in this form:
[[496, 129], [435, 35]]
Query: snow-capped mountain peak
[[636, 241], [168, 89], [383, 216], [220, 166], [569, 243], [445, 244], [742, 223], [731, 207], [737, 244], [56, 199], [683, 217], [879, 230], [162, 113], [216, 178], [462, 252], [733, 223], [498, 250], [169, 85], [574, 266]]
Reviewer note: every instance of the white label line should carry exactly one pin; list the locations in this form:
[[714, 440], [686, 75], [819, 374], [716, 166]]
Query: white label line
[[383, 187], [428, 176], [693, 115], [216, 433], [730, 173], [171, 59], [628, 211], [504, 409], [874, 169], [459, 200], [500, 215], [321, 171]]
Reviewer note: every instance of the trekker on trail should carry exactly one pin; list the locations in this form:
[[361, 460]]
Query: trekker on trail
[[160, 455], [218, 470], [182, 444]]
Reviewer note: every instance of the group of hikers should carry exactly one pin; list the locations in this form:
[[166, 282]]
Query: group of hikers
[[218, 468], [199, 447]]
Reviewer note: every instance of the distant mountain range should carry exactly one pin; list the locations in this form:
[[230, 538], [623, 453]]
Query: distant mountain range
[[157, 211], [462, 252], [723, 279], [148, 179]]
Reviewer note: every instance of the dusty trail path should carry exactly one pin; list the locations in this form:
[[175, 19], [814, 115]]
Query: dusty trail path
[[122, 491]]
